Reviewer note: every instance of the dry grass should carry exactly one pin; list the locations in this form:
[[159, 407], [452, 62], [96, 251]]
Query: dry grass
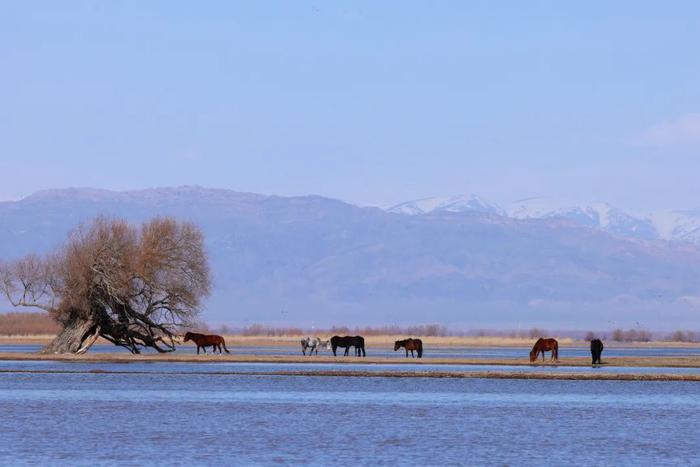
[[626, 362], [371, 341], [258, 330], [27, 324], [385, 341], [39, 328], [448, 341]]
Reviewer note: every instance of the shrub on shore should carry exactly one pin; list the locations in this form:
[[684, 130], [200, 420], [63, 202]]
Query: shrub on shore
[[631, 335]]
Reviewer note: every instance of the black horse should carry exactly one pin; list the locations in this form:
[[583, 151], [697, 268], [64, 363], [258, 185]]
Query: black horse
[[349, 341], [596, 350]]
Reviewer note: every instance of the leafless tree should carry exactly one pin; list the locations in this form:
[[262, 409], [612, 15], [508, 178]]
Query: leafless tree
[[134, 286]]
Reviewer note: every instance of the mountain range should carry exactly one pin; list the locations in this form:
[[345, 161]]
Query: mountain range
[[460, 261], [674, 225]]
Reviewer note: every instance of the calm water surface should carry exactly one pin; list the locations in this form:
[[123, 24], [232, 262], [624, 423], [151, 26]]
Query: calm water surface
[[189, 418]]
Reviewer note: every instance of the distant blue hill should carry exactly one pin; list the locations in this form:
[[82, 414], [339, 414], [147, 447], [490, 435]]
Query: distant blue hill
[[317, 261]]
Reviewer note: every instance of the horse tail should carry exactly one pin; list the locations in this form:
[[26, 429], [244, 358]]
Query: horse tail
[[420, 348], [223, 342]]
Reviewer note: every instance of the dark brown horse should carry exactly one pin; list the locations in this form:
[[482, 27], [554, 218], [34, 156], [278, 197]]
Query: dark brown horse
[[410, 344], [596, 350], [205, 340], [545, 345], [349, 341]]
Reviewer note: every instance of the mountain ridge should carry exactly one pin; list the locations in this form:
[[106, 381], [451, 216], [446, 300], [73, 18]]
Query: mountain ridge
[[674, 225], [316, 260]]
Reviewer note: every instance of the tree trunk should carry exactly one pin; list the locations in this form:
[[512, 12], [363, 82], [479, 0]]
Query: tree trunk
[[76, 337]]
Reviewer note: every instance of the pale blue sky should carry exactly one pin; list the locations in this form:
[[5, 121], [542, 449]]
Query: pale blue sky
[[371, 102]]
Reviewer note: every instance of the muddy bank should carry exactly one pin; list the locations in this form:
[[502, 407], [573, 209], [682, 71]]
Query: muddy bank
[[626, 362]]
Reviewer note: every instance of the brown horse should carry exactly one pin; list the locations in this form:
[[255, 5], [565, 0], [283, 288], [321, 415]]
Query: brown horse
[[204, 340], [410, 344], [545, 345]]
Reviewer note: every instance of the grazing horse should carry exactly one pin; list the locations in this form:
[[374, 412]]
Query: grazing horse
[[545, 345], [349, 341], [410, 344], [596, 350], [204, 340], [314, 343]]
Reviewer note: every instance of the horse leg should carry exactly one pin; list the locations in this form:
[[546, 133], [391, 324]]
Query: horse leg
[[347, 351], [412, 354]]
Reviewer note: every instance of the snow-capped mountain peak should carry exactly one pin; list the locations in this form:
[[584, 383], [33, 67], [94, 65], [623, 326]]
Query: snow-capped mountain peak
[[677, 225], [458, 203], [598, 215]]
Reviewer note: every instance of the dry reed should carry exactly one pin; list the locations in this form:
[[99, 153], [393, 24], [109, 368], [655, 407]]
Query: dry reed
[[27, 324]]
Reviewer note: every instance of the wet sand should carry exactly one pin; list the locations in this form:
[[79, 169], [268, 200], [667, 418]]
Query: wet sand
[[622, 362]]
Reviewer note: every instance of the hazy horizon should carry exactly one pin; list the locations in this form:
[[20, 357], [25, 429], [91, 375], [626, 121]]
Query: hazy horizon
[[504, 204]]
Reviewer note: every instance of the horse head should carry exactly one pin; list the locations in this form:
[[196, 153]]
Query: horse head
[[397, 345], [326, 344], [187, 337], [533, 355]]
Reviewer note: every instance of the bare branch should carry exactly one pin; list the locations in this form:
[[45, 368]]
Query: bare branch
[[133, 286]]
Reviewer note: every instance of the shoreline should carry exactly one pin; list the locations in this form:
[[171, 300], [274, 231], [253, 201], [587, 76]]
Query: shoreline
[[384, 340], [621, 362]]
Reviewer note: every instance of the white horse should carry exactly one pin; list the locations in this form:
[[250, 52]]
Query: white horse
[[314, 343]]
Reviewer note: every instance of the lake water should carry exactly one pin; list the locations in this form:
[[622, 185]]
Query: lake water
[[173, 414]]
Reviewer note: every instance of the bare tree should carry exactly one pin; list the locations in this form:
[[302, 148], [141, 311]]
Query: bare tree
[[134, 286]]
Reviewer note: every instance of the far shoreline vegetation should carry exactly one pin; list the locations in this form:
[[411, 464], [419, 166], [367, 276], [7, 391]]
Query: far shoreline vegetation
[[31, 324]]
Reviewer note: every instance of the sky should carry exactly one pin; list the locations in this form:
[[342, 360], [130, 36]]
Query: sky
[[371, 102]]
